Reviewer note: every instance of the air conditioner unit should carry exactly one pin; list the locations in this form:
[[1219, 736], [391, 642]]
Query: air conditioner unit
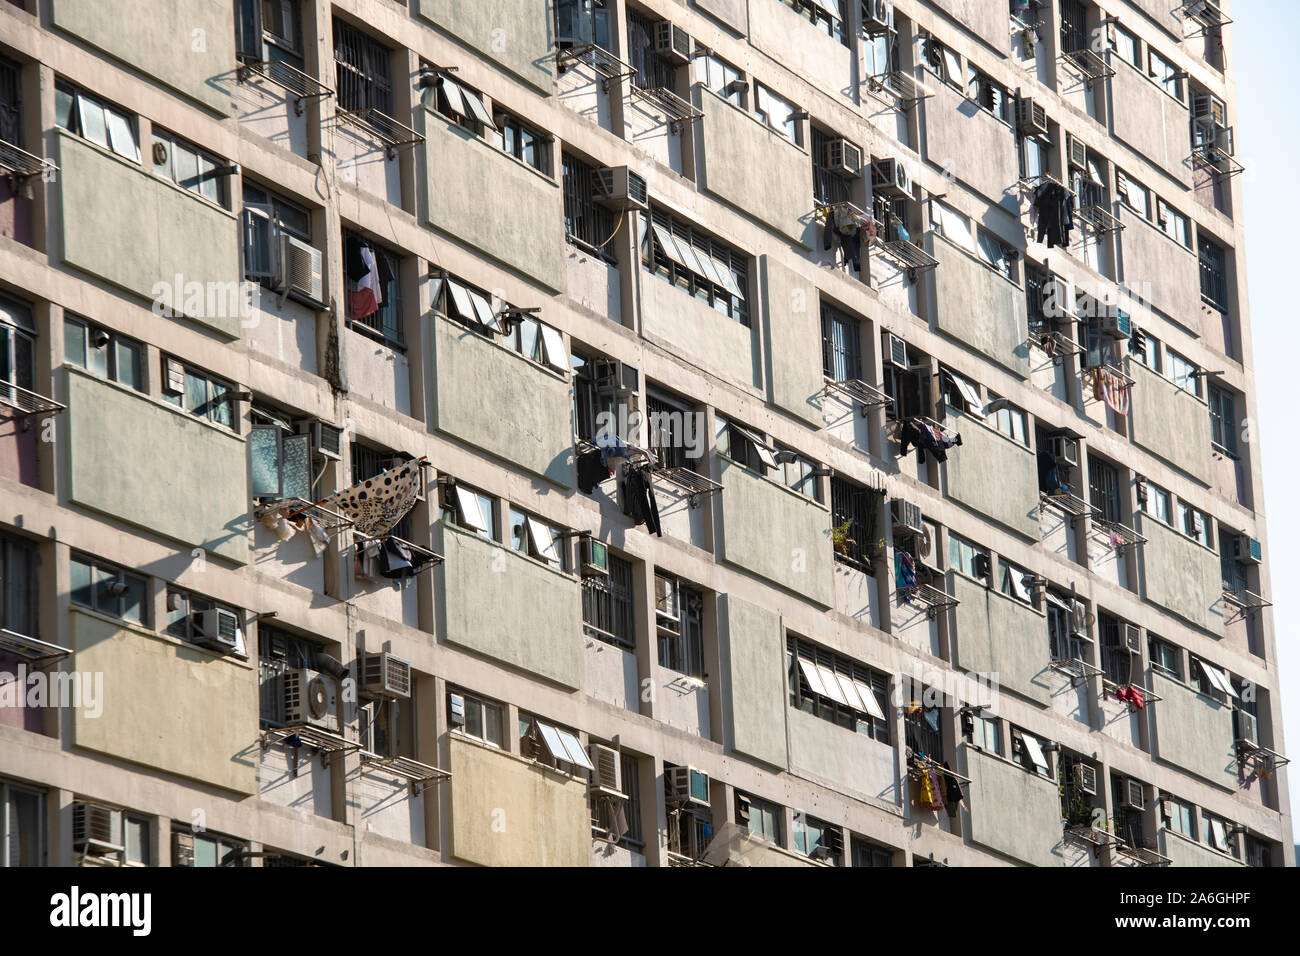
[[890, 178], [1085, 778], [877, 15], [615, 378], [1210, 107], [672, 42], [383, 675], [1078, 152], [301, 269], [607, 775], [983, 565], [182, 849], [843, 157], [907, 516], [895, 350], [1031, 117], [1247, 728], [1115, 323], [595, 558], [1193, 523], [327, 440], [175, 381], [1247, 549], [620, 188], [311, 698], [217, 629], [687, 786], [1064, 449], [1133, 638], [1133, 797], [96, 829]]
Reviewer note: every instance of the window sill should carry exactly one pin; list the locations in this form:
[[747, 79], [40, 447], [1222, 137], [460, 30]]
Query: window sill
[[374, 334]]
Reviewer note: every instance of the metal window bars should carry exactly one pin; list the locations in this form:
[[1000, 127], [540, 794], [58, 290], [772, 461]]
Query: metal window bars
[[903, 89], [21, 165], [859, 393], [907, 255], [332, 521], [392, 134], [1128, 537], [27, 403], [692, 482], [418, 775], [30, 648], [299, 85], [1090, 64], [604, 64], [665, 101]]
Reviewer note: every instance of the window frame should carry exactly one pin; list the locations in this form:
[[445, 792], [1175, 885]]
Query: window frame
[[214, 389], [79, 101], [100, 574]]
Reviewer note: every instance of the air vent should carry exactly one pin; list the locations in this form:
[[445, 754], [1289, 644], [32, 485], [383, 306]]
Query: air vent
[[384, 675]]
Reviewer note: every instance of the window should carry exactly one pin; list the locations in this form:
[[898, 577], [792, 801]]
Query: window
[[941, 61], [466, 304], [960, 392], [587, 224], [538, 341], [817, 839], [952, 225], [829, 185], [522, 141], [995, 253], [596, 394], [1157, 503], [986, 733], [1016, 582], [855, 518], [988, 93], [1194, 523], [533, 536], [1116, 660], [580, 22], [923, 722], [679, 620], [1175, 225], [1133, 194], [367, 462], [464, 107], [190, 167], [1183, 373], [364, 71], [92, 119], [1145, 349], [109, 590], [551, 745], [966, 557], [777, 113], [798, 473], [1176, 815], [139, 841], [1166, 657], [11, 102], [841, 349], [1125, 44], [1236, 575], [1034, 154], [608, 611], [1257, 852], [671, 428], [1103, 488], [1223, 420], [22, 831], [387, 727], [17, 346], [652, 71], [1165, 74], [696, 263], [17, 586], [837, 689], [762, 817], [868, 854], [106, 353], [827, 15], [1214, 833], [1214, 273], [184, 610], [269, 30], [279, 651], [1010, 421], [279, 458], [1065, 644], [475, 717], [1074, 26], [382, 314], [1205, 678], [743, 446], [212, 851], [267, 217], [1027, 750], [197, 392], [722, 78], [631, 774], [469, 508]]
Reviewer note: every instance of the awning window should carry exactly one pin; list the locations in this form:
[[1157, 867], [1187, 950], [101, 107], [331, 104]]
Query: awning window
[[1034, 749], [1218, 678], [543, 542], [562, 745], [966, 389], [760, 447], [553, 348], [470, 512]]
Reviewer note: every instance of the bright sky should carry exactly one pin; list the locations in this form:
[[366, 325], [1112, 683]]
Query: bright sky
[[1268, 137]]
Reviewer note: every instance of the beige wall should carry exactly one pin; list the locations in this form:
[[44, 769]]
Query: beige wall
[[993, 475], [1193, 731], [793, 335], [752, 650], [1181, 575], [976, 305], [1170, 422], [1012, 811], [514, 33], [998, 635]]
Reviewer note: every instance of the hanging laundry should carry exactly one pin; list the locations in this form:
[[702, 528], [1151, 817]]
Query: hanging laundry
[[367, 558], [1049, 473], [375, 505], [843, 229], [952, 791], [1114, 391], [905, 575], [368, 275], [1055, 206], [926, 438], [591, 470], [316, 535], [639, 502]]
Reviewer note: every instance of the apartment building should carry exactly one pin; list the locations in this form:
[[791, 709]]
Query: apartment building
[[832, 416]]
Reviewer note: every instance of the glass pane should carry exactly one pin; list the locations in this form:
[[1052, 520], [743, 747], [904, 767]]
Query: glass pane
[[473, 718], [63, 102], [196, 391], [185, 166], [492, 723], [518, 530], [74, 343], [106, 598], [205, 852], [92, 120], [264, 459], [122, 133], [81, 594], [97, 354], [134, 601], [24, 829], [220, 412], [128, 364], [209, 184], [137, 841], [297, 467]]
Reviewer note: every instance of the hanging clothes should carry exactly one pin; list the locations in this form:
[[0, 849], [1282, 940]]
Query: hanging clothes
[[365, 292], [905, 575], [1049, 473], [926, 437], [639, 502], [1114, 391], [1055, 207], [843, 229], [375, 505], [591, 470]]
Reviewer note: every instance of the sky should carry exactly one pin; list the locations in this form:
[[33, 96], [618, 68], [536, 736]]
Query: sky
[[1262, 40]]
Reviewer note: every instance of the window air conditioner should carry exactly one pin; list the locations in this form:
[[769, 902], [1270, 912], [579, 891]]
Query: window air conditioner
[[96, 829], [311, 698], [1078, 152], [895, 350], [182, 849], [1193, 523], [1115, 323], [672, 42], [1247, 729], [983, 565], [620, 188], [301, 269], [217, 629], [890, 178], [1209, 107], [877, 15], [1247, 549], [843, 157], [595, 558], [383, 675], [607, 775], [1133, 638], [615, 378], [907, 516], [687, 787], [1133, 797], [1064, 449], [1085, 778], [327, 440], [1031, 117]]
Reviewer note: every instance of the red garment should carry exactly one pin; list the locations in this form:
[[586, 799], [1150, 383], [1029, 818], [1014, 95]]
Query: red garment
[[1135, 698]]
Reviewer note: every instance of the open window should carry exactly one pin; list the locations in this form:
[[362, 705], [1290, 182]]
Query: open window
[[679, 625], [278, 249], [467, 507], [1029, 751], [280, 459], [552, 745], [535, 537]]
